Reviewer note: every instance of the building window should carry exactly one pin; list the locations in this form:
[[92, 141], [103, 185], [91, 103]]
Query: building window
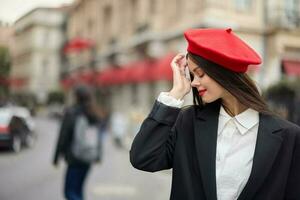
[[107, 20], [90, 26], [292, 10], [152, 7], [46, 38], [178, 11], [243, 5], [133, 14], [45, 67]]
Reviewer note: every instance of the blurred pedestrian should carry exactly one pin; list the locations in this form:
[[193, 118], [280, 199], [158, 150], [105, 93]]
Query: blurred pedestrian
[[119, 127], [228, 145], [79, 142]]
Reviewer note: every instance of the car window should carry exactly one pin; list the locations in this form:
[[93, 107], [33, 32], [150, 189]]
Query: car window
[[4, 119]]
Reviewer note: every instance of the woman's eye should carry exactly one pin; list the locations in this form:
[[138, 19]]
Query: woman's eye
[[200, 75]]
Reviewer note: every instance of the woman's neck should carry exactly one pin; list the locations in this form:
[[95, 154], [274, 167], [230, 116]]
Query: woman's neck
[[232, 106]]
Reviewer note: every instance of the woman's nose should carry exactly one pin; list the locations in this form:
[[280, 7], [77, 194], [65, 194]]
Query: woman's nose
[[195, 82]]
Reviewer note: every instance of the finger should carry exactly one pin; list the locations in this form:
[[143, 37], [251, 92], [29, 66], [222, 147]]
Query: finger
[[183, 69], [176, 59], [182, 63], [178, 72], [180, 55], [179, 59], [175, 69]]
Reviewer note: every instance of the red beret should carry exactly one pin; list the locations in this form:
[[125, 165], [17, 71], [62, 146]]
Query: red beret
[[223, 47]]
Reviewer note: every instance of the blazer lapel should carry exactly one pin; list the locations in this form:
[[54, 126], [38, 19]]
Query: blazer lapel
[[267, 147], [205, 129]]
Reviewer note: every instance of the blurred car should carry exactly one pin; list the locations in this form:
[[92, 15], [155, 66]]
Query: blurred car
[[16, 128]]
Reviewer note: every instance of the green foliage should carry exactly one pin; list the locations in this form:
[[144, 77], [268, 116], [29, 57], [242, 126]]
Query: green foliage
[[56, 97], [282, 91], [283, 97], [24, 99], [4, 62], [4, 70]]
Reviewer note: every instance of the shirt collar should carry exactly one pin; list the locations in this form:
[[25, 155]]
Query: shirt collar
[[243, 121]]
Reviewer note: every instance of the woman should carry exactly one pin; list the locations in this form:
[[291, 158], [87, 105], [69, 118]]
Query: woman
[[228, 145], [77, 169]]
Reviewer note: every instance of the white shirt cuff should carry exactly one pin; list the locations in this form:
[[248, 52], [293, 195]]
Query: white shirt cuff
[[168, 100]]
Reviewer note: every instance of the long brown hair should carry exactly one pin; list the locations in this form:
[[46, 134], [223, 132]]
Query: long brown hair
[[240, 85], [85, 100]]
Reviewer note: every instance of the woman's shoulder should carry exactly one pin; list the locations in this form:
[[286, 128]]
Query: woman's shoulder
[[290, 130], [287, 125]]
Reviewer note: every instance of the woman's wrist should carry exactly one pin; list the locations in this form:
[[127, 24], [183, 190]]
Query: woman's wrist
[[177, 95], [165, 98]]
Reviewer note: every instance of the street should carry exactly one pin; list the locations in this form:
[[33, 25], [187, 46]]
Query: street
[[30, 175]]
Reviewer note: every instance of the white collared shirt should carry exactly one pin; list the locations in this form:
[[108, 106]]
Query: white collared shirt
[[235, 148]]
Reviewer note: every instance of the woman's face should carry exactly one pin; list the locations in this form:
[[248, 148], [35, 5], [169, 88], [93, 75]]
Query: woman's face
[[208, 89]]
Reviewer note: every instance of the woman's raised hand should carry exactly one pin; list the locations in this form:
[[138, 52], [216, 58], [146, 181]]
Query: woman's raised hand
[[181, 84]]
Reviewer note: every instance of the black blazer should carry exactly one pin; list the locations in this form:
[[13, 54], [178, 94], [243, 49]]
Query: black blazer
[[186, 139]]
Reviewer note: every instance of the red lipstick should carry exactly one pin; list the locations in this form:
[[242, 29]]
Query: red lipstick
[[202, 92]]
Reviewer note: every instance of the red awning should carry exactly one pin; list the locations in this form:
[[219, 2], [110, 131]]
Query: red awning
[[4, 80], [111, 76], [17, 82], [125, 74], [78, 44], [68, 82], [132, 73], [139, 71], [291, 67], [136, 72], [80, 77], [162, 69], [85, 77]]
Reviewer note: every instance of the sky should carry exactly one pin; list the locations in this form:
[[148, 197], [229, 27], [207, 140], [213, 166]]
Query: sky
[[11, 10]]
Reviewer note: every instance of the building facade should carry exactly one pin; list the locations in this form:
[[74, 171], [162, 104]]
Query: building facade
[[125, 31], [282, 40], [6, 35], [39, 38]]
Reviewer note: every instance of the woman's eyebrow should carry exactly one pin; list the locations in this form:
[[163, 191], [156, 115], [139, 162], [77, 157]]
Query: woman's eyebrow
[[195, 69]]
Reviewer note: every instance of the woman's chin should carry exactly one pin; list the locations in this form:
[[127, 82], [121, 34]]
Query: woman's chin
[[205, 99]]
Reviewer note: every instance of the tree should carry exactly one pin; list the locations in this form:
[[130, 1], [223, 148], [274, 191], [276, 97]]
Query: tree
[[4, 71], [284, 97]]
